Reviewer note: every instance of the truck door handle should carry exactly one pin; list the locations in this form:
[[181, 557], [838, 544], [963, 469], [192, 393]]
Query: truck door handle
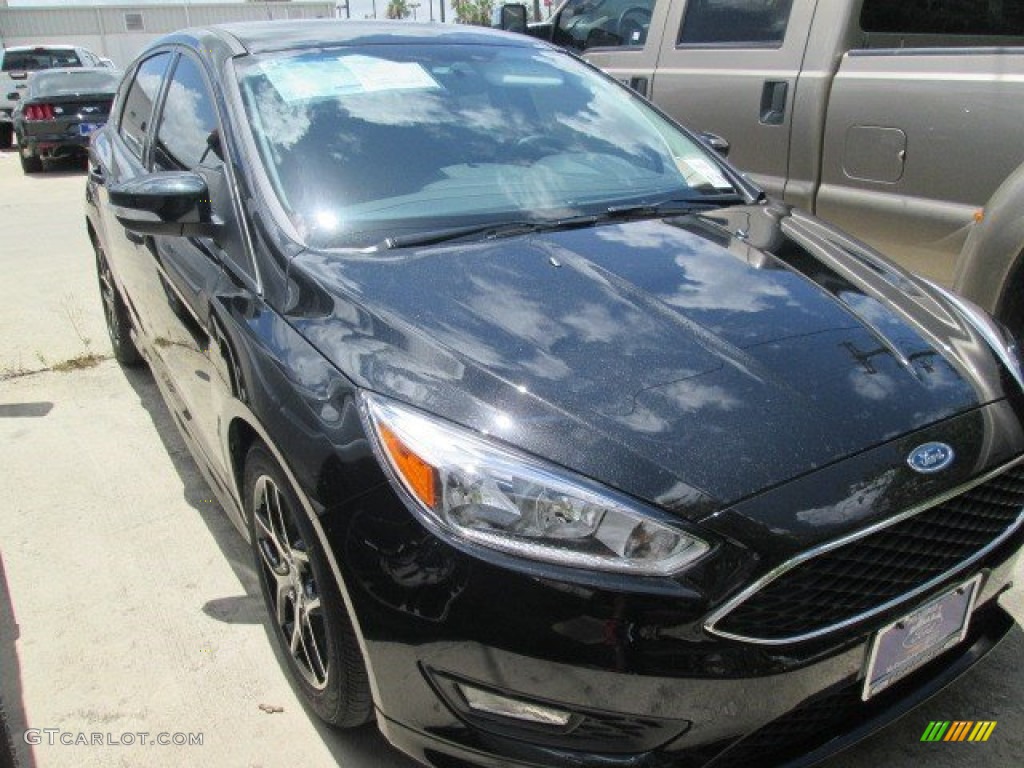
[[639, 84], [773, 102]]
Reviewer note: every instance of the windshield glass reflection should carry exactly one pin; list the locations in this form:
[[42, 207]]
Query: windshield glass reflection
[[363, 143]]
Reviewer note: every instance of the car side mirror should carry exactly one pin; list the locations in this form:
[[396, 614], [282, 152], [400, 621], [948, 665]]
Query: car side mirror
[[175, 203], [716, 142], [511, 17]]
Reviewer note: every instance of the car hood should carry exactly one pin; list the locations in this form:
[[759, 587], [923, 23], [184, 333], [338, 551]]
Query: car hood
[[691, 361]]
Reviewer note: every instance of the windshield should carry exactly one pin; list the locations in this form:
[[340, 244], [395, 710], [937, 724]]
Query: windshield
[[40, 58], [365, 143], [70, 83]]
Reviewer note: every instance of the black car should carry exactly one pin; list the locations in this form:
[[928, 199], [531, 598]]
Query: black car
[[556, 442], [60, 111]]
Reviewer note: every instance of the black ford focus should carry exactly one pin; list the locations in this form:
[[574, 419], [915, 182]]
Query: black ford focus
[[555, 441]]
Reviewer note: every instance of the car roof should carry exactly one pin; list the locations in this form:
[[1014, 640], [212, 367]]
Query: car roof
[[40, 47], [265, 36], [76, 71]]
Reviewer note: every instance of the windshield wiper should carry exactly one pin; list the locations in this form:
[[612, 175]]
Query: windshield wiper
[[673, 206], [493, 230], [487, 231]]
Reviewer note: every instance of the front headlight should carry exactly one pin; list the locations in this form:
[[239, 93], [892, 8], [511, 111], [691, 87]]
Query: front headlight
[[464, 486], [995, 334]]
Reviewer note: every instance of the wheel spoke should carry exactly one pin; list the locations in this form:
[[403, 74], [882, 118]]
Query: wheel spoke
[[275, 514], [295, 641], [313, 652], [283, 589]]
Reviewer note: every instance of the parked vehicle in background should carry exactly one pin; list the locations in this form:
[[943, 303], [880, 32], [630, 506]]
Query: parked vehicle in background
[[555, 442], [17, 65], [898, 121], [60, 111]]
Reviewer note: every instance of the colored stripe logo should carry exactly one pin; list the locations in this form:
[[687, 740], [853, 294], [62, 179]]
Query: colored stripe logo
[[958, 730]]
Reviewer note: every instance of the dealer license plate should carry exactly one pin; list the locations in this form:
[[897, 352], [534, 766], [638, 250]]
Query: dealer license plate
[[919, 637], [84, 129]]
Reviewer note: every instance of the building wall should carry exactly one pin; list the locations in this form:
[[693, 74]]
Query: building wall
[[103, 29]]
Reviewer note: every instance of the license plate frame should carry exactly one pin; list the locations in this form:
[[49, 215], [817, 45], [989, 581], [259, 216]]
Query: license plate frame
[[910, 642]]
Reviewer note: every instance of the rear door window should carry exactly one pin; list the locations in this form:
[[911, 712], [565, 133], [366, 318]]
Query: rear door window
[[39, 58], [973, 18], [735, 22], [138, 102]]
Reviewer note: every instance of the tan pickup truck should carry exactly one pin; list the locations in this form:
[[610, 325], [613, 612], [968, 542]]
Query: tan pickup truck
[[900, 120]]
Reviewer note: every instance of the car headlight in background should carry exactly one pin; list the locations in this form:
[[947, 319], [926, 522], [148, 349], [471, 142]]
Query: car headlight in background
[[994, 333], [481, 492]]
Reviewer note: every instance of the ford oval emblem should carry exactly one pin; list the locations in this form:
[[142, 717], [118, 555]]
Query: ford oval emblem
[[930, 457]]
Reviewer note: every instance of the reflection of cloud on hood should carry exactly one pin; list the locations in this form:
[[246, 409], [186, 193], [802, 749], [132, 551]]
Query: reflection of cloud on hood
[[595, 324], [690, 396], [514, 313], [644, 234], [725, 285], [548, 366], [644, 420], [861, 502], [872, 386]]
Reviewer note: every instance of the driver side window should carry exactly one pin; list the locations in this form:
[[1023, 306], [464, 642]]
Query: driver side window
[[585, 24]]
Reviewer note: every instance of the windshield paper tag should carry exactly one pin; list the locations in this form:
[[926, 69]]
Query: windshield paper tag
[[708, 171], [324, 79]]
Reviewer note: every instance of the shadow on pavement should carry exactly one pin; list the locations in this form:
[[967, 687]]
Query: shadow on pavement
[[360, 747], [12, 706]]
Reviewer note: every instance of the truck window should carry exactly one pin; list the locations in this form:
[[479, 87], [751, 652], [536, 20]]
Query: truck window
[[584, 24], [971, 18], [735, 22]]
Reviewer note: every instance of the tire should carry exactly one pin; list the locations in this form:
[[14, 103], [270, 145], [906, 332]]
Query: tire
[[116, 314], [307, 615], [6, 134], [29, 163]]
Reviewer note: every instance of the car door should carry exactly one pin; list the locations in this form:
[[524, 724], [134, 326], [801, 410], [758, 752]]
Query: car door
[[622, 37], [187, 272], [731, 67], [923, 125], [118, 156]]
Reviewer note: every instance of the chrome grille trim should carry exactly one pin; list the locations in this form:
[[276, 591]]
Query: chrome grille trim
[[775, 573]]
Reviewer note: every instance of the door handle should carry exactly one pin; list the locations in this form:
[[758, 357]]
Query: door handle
[[773, 102], [639, 84]]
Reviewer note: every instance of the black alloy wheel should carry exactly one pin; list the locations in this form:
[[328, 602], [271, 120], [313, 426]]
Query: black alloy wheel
[[307, 614], [6, 134], [116, 313]]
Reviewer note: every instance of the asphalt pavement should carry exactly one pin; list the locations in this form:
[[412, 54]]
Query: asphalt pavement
[[129, 607]]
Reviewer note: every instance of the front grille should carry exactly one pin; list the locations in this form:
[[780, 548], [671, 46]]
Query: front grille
[[858, 577]]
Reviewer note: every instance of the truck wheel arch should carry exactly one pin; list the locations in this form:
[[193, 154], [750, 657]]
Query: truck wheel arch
[[990, 269]]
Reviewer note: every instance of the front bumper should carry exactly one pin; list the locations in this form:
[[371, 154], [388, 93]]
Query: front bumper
[[817, 728], [646, 684]]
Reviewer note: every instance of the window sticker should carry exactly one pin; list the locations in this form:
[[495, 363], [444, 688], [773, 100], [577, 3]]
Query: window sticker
[[704, 170], [312, 80]]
